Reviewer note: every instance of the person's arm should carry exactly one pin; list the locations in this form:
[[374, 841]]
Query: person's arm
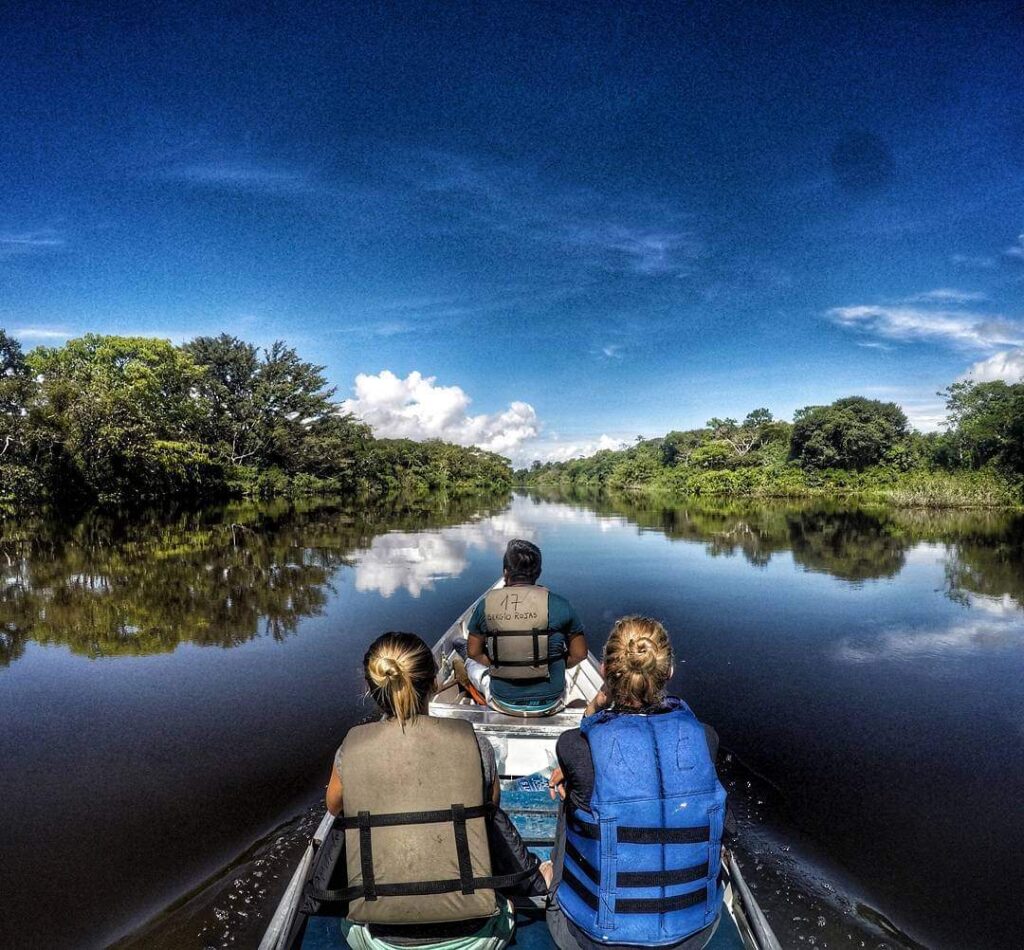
[[334, 798], [575, 638], [476, 637], [577, 650], [476, 644]]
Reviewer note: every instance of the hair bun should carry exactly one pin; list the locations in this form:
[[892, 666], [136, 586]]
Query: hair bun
[[641, 654]]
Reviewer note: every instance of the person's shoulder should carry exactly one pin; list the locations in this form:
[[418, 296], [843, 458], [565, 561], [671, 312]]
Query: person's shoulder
[[477, 619], [569, 741], [562, 613]]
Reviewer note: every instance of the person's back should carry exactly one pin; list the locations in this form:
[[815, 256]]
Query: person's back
[[523, 637], [640, 858], [427, 845], [384, 765]]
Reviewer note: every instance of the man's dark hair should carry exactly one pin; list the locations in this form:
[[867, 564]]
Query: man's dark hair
[[522, 561]]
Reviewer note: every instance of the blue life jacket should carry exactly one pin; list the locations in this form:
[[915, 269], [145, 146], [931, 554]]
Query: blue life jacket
[[642, 867]]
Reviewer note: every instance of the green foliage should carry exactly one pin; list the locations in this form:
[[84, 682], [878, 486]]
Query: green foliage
[[989, 423], [130, 418], [853, 447], [851, 433]]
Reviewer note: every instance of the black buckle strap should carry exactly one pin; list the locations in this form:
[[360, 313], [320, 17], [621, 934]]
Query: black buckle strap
[[638, 905], [422, 888], [579, 888], [413, 817], [628, 835], [543, 661], [632, 835], [661, 905], [662, 878], [584, 865], [667, 878], [366, 856], [462, 848]]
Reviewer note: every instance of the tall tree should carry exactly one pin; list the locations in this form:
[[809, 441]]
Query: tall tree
[[128, 412], [851, 433]]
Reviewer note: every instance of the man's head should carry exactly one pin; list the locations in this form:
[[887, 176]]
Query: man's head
[[522, 562]]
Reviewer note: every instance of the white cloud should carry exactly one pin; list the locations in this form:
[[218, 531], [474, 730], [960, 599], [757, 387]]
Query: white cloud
[[612, 351], [959, 328], [561, 450], [40, 333], [13, 244], [1016, 251], [1007, 365], [947, 295], [979, 262], [417, 408]]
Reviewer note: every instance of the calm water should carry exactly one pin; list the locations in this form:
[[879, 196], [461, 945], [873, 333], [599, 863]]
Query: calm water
[[172, 690]]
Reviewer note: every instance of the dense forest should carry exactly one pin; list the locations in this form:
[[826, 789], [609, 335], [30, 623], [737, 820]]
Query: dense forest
[[129, 419], [855, 445]]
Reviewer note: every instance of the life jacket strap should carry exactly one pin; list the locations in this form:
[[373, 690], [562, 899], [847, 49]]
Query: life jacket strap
[[635, 905], [421, 888], [667, 878], [626, 834], [370, 889], [392, 819]]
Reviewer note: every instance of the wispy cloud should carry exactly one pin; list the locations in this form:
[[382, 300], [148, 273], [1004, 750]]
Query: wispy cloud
[[904, 323], [19, 243], [612, 351], [628, 234], [41, 333], [1007, 365], [1016, 251], [873, 345], [242, 176], [977, 262], [948, 295]]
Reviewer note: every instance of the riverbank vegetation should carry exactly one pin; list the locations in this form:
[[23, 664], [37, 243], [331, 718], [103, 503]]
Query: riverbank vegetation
[[855, 446], [129, 419]]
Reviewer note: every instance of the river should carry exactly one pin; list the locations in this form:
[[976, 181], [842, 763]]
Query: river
[[172, 688]]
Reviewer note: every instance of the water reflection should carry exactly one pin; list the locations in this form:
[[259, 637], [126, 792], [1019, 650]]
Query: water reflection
[[110, 586]]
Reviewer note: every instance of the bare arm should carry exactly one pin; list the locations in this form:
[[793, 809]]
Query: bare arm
[[577, 650], [475, 648], [334, 798]]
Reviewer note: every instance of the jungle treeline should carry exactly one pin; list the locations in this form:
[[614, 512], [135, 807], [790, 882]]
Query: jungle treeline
[[131, 419], [852, 446]]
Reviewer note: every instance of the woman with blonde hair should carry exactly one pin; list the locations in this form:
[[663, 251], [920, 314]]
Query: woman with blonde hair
[[638, 851], [427, 849]]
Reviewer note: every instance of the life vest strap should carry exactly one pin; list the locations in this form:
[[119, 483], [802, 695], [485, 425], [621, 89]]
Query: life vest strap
[[667, 878], [392, 819], [635, 905], [421, 888], [627, 834], [370, 889]]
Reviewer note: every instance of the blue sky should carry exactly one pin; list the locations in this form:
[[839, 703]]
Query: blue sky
[[578, 220]]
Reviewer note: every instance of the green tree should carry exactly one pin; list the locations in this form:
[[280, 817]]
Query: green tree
[[127, 412], [16, 388], [987, 421], [851, 433]]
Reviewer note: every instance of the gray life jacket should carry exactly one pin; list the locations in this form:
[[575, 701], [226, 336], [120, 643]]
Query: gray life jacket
[[517, 632], [414, 819]]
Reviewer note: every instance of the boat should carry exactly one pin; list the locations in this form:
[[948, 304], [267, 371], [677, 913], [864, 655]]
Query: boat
[[525, 752]]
